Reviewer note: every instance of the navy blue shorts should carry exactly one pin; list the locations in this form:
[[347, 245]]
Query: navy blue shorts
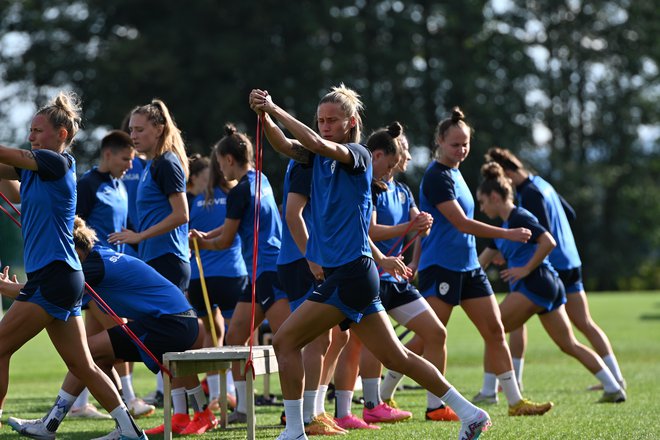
[[223, 293], [393, 294], [542, 287], [453, 287], [352, 288], [175, 270], [268, 291], [572, 279], [57, 288], [297, 280], [160, 335]]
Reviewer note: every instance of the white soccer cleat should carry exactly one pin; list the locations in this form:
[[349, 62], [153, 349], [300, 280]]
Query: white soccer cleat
[[88, 411], [138, 408], [472, 428], [31, 428]]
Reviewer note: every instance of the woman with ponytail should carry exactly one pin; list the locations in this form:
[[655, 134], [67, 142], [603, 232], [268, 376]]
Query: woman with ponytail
[[162, 207], [449, 271], [535, 287], [51, 298], [339, 242]]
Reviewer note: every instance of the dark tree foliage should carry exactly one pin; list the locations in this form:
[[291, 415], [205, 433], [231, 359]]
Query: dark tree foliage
[[583, 73]]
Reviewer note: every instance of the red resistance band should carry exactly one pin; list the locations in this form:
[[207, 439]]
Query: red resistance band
[[255, 235], [102, 304], [412, 240]]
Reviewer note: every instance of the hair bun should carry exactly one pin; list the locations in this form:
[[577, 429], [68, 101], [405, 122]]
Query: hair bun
[[395, 129], [457, 115], [492, 170], [230, 129]]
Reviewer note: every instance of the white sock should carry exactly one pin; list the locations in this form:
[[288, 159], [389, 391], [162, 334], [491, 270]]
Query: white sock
[[389, 385], [343, 400], [213, 380], [309, 405], [518, 364], [197, 398], [231, 386], [371, 390], [127, 426], [433, 401], [320, 399], [461, 406], [59, 410], [613, 365], [510, 387], [127, 388], [489, 387], [241, 397], [610, 384], [294, 421], [159, 381], [82, 400], [179, 402]]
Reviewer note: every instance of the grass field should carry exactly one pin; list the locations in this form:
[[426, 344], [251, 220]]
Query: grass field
[[632, 321]]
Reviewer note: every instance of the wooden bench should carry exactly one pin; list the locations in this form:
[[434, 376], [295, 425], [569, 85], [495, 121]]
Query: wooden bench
[[220, 359]]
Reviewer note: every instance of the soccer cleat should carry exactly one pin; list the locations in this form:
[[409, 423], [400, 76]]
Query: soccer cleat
[[31, 428], [201, 422], [618, 396], [484, 398], [154, 398], [441, 414], [117, 435], [330, 421], [88, 411], [179, 423], [599, 387], [319, 427], [138, 408], [384, 414], [236, 417], [352, 421], [284, 435], [391, 403], [472, 428], [528, 408]]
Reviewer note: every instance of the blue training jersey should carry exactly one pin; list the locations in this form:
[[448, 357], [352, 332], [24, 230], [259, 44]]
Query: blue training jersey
[[131, 181], [297, 180], [240, 206], [446, 246], [392, 208], [103, 204], [206, 217], [131, 287], [341, 208], [162, 177], [540, 198], [48, 201]]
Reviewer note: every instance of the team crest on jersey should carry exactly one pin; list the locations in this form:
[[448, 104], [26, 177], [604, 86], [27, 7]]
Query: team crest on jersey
[[402, 198], [443, 288], [333, 165]]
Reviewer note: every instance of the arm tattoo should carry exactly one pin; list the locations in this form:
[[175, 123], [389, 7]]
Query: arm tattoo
[[28, 154], [300, 154]]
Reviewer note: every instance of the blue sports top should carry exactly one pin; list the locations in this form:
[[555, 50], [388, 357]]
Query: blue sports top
[[518, 254], [162, 177], [131, 287], [131, 180], [205, 217], [48, 200], [240, 206], [446, 246], [553, 212], [103, 204], [297, 180], [392, 208], [341, 208]]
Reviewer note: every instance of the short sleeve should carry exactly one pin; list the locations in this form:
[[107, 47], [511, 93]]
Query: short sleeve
[[238, 200], [300, 180], [361, 159], [51, 165], [86, 197], [438, 187], [93, 268], [532, 200], [525, 220], [411, 199], [168, 175]]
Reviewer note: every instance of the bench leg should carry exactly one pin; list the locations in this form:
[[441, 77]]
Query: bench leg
[[223, 398], [249, 392], [167, 403]]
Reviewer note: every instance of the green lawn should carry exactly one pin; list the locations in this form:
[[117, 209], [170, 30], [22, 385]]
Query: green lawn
[[632, 321]]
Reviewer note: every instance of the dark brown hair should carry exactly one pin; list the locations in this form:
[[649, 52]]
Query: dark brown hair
[[495, 180]]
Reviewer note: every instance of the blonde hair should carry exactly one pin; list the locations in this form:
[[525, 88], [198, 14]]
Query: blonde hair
[[84, 237], [349, 101], [64, 112], [171, 140]]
